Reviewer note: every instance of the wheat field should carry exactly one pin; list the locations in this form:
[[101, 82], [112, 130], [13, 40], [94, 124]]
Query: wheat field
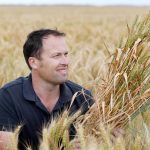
[[88, 29], [93, 35]]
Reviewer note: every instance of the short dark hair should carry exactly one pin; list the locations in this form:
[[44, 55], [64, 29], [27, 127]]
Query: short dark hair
[[33, 44]]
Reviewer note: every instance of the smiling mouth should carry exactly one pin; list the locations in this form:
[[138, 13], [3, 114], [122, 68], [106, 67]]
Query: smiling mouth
[[63, 71]]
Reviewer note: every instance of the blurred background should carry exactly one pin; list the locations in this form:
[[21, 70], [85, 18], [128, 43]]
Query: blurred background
[[92, 28]]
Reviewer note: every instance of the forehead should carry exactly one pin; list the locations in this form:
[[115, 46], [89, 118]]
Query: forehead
[[54, 43]]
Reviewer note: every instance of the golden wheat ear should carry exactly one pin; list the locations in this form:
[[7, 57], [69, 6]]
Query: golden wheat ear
[[125, 89], [14, 139]]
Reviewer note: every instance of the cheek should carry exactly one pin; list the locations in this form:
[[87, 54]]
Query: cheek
[[54, 62], [51, 64]]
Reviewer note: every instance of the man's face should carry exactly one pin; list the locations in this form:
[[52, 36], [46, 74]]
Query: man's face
[[53, 65]]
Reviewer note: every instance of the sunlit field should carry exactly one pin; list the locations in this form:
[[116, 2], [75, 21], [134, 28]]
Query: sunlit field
[[108, 55]]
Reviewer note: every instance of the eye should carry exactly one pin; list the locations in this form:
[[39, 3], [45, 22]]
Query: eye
[[66, 54], [56, 55]]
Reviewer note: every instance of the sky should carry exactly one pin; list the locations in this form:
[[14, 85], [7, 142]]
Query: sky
[[82, 2]]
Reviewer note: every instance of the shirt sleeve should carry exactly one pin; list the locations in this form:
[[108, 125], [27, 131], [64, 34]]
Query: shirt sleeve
[[8, 117]]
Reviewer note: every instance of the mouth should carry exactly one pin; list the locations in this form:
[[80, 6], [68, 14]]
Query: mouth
[[63, 71]]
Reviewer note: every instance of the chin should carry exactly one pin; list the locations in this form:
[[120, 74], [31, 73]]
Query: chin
[[64, 78], [61, 81]]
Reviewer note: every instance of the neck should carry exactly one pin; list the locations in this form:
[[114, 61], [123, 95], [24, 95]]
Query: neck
[[45, 91]]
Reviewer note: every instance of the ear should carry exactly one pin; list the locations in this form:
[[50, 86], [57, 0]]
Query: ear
[[33, 62]]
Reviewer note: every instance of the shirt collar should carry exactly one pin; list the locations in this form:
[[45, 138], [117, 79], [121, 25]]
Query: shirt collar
[[29, 93]]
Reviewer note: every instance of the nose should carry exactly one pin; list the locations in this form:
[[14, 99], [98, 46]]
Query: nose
[[64, 60]]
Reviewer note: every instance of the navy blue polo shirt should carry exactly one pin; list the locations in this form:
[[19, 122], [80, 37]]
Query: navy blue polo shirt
[[19, 105]]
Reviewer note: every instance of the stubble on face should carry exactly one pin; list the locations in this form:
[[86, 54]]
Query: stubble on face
[[54, 68]]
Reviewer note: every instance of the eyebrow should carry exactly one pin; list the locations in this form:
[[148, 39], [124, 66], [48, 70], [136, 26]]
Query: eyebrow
[[59, 52]]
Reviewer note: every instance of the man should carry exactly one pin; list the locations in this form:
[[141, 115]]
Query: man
[[34, 100]]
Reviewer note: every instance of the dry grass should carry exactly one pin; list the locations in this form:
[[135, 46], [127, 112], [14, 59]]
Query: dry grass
[[116, 69]]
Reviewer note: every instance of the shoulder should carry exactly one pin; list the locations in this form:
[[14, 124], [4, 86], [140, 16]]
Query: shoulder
[[6, 93], [73, 85], [11, 87], [13, 83], [76, 87], [84, 98]]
